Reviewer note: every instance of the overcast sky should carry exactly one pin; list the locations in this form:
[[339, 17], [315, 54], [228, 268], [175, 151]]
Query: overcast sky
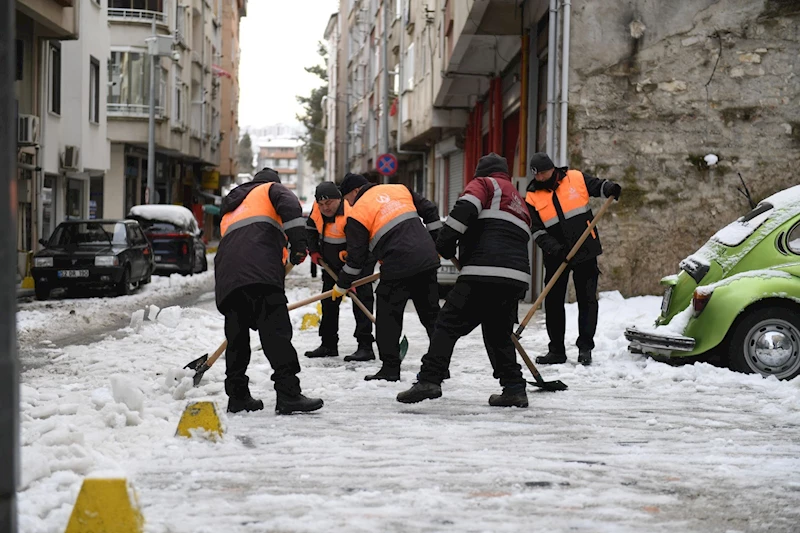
[[278, 39]]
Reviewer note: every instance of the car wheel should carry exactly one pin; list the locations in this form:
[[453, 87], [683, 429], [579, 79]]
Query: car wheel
[[766, 341], [147, 279], [125, 287], [42, 291]]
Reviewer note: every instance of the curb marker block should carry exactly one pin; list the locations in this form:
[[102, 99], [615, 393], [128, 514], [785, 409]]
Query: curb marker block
[[200, 417], [105, 506]]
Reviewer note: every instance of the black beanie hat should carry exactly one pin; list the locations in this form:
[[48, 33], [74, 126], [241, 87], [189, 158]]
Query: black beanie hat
[[489, 164], [327, 190], [541, 162], [352, 182], [267, 175]]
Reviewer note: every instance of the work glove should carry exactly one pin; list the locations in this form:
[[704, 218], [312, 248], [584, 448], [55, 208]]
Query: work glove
[[446, 250], [338, 292], [561, 254], [316, 257], [297, 257], [613, 190]]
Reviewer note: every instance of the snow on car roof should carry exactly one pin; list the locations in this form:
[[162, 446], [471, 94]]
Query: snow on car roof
[[175, 214]]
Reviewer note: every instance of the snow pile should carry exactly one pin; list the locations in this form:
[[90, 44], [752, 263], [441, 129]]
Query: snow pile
[[174, 214], [737, 231], [708, 289]]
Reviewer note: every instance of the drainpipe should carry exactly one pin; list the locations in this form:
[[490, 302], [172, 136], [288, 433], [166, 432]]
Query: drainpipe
[[564, 81], [36, 193], [551, 77], [202, 79], [400, 125]]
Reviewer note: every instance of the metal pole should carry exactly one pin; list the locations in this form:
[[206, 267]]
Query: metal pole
[[9, 365], [385, 79], [564, 81], [151, 135]]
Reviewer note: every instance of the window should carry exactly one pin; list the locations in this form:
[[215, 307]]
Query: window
[[55, 78], [149, 5], [94, 90], [96, 197], [409, 68], [178, 95], [129, 79]]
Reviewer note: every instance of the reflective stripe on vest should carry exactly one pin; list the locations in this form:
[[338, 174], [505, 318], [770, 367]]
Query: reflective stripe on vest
[[256, 207], [332, 233], [572, 195], [495, 212], [382, 208], [497, 272]]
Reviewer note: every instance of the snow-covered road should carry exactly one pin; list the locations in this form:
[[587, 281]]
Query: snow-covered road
[[633, 445]]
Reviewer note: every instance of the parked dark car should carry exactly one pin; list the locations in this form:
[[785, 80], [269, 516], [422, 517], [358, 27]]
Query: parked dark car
[[175, 237], [93, 253]]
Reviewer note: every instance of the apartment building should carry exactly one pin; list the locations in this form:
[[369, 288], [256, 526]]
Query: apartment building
[[43, 27], [334, 129], [228, 72], [188, 100]]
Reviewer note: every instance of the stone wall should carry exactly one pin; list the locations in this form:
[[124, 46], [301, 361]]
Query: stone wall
[[655, 87]]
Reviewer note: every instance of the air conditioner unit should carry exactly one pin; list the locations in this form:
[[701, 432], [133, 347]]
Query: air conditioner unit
[[28, 130], [71, 155]]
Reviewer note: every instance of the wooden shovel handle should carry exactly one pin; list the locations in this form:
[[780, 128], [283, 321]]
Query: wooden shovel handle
[[355, 298], [292, 307], [563, 266]]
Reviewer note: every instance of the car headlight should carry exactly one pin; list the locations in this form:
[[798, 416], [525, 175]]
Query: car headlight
[[42, 261], [106, 260]]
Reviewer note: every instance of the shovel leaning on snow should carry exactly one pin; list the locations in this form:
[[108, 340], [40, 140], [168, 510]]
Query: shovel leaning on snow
[[403, 348], [202, 364]]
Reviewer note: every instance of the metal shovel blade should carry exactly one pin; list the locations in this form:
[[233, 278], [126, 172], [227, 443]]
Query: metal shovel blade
[[198, 376], [403, 347], [197, 363], [551, 386]]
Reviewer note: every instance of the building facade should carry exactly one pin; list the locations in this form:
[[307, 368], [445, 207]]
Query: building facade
[[43, 27], [672, 83], [228, 72]]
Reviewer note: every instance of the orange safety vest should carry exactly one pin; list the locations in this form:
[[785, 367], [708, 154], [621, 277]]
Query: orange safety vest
[[332, 233], [382, 208], [256, 207], [572, 195]]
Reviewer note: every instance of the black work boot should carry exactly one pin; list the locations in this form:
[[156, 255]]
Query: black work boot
[[386, 373], [287, 404], [511, 397], [236, 405], [421, 390], [551, 359], [323, 351], [585, 358], [363, 353]]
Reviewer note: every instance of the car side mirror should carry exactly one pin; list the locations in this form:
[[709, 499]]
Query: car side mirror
[[43, 242]]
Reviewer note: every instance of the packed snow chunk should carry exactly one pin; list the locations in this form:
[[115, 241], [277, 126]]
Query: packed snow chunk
[[178, 381], [35, 465], [126, 393], [137, 318], [153, 313], [711, 159], [102, 397], [170, 317], [174, 214], [44, 411]]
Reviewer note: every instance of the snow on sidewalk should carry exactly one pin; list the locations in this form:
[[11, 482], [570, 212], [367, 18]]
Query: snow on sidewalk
[[633, 445]]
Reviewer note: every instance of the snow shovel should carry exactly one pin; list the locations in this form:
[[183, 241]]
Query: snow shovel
[[403, 343], [202, 364], [540, 382]]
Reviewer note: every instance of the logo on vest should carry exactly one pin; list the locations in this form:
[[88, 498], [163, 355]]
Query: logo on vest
[[383, 199], [573, 193]]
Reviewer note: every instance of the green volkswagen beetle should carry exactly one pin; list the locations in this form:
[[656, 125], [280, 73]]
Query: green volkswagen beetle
[[738, 296]]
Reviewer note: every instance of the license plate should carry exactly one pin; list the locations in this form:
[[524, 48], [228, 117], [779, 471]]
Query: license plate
[[73, 273], [665, 301], [157, 258]]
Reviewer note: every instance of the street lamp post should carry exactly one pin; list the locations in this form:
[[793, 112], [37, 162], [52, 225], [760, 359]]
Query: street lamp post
[[157, 46]]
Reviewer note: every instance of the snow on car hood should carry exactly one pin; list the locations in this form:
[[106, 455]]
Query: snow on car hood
[[175, 214]]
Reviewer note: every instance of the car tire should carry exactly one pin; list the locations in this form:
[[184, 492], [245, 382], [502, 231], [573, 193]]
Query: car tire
[[42, 291], [205, 263], [147, 279], [766, 340], [125, 287]]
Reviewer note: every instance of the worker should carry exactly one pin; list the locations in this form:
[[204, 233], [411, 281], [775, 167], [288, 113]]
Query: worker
[[327, 242], [558, 202], [257, 219], [385, 220], [490, 226]]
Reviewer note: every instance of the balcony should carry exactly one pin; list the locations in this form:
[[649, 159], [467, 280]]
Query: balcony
[[141, 16], [132, 111]]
